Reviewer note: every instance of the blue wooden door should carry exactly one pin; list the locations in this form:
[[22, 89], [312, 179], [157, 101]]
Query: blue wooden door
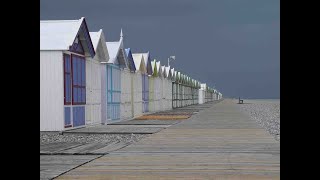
[[74, 91], [78, 90], [145, 93], [113, 92]]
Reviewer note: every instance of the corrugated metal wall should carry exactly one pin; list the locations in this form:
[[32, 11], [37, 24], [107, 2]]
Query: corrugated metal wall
[[195, 96], [126, 96], [93, 90], [151, 94], [201, 96], [162, 93], [103, 76], [51, 91], [137, 93], [168, 94], [157, 94]]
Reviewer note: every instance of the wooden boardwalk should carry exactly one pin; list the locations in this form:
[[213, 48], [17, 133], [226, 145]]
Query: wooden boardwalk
[[217, 143]]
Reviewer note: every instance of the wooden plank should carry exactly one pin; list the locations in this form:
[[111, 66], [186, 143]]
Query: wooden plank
[[84, 149], [116, 130], [146, 122], [52, 166], [51, 148], [109, 148], [220, 142]]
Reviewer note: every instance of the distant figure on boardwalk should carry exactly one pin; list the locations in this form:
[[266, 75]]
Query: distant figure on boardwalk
[[240, 101]]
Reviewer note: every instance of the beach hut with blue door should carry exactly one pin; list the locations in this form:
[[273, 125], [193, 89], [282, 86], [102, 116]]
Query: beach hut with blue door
[[116, 62], [96, 105], [65, 46], [145, 80], [138, 85]]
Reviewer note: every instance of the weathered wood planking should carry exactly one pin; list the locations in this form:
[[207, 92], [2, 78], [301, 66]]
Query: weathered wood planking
[[52, 165], [121, 129], [218, 143]]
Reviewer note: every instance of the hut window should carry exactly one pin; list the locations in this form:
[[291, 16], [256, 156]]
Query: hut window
[[67, 79], [78, 80]]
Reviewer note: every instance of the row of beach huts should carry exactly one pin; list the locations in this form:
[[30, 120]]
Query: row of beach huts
[[85, 80]]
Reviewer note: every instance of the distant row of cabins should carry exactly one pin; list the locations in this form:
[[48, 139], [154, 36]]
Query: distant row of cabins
[[85, 80]]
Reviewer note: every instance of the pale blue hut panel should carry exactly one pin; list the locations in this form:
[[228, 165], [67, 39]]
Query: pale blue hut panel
[[78, 116], [113, 92], [67, 117], [145, 93]]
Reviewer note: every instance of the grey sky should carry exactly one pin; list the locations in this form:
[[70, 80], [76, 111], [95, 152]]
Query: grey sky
[[233, 45]]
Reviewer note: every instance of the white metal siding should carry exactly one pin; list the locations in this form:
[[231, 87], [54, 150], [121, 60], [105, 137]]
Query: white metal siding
[[166, 94], [103, 75], [126, 104], [161, 94], [93, 91], [157, 94], [51, 91], [137, 86], [201, 96], [151, 94]]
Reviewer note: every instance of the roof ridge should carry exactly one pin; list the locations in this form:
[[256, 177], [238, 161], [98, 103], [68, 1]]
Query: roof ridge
[[57, 21]]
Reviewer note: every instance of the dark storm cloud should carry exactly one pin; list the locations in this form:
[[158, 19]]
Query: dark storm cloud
[[233, 45]]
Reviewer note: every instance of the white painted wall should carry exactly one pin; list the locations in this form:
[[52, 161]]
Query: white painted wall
[[167, 94], [137, 92], [103, 68], [126, 104], [151, 94], [157, 94], [93, 91], [201, 96], [51, 91]]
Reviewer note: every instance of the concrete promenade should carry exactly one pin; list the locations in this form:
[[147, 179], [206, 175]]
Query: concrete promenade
[[219, 142]]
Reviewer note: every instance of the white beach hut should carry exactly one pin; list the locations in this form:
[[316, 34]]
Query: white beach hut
[[158, 87], [131, 90], [116, 66], [202, 93], [138, 86], [145, 80], [96, 104], [65, 46], [167, 88]]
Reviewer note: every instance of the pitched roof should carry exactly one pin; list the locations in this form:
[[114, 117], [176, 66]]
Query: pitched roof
[[138, 60], [173, 73], [95, 37], [130, 59], [147, 61], [159, 70], [163, 70], [61, 34], [154, 68], [168, 71], [114, 49], [99, 45]]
